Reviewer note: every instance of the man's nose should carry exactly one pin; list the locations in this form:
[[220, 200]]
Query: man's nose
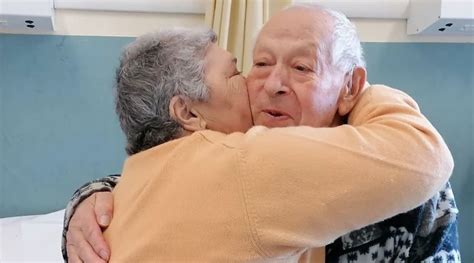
[[276, 83]]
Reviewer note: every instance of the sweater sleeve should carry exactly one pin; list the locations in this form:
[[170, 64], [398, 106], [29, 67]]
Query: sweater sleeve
[[106, 184], [304, 187]]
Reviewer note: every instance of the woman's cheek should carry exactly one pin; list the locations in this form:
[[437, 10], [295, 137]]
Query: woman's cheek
[[238, 85]]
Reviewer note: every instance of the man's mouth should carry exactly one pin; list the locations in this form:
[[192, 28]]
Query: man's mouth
[[275, 114]]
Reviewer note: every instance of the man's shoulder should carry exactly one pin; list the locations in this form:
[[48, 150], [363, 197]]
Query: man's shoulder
[[383, 90]]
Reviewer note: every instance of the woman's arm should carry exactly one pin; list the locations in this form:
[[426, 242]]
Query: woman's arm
[[304, 187]]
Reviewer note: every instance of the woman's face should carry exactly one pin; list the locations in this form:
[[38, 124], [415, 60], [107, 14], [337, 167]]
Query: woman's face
[[227, 109]]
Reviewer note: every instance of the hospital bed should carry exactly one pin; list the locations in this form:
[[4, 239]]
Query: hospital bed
[[34, 238]]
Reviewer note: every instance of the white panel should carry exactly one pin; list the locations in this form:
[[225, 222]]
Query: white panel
[[386, 9], [156, 6], [457, 9], [123, 24]]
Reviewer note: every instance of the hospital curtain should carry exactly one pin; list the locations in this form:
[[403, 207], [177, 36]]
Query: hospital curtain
[[237, 23]]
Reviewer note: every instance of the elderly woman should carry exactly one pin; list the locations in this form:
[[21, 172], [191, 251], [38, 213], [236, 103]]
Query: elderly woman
[[162, 95], [191, 193]]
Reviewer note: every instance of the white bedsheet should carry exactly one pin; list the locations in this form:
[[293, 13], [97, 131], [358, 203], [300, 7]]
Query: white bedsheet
[[35, 238]]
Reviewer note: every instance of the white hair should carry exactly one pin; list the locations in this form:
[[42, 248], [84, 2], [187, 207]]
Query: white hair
[[346, 50]]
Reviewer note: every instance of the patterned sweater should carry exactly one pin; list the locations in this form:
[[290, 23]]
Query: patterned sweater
[[426, 234]]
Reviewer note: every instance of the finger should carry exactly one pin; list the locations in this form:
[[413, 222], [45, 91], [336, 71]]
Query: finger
[[84, 228], [85, 253], [104, 203], [94, 236], [72, 256]]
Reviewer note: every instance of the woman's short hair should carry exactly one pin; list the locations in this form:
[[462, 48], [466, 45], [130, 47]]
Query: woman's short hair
[[153, 69]]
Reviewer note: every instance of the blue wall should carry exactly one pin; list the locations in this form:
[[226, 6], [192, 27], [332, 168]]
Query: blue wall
[[440, 77], [58, 127]]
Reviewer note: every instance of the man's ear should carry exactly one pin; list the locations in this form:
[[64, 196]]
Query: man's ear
[[182, 111], [352, 89]]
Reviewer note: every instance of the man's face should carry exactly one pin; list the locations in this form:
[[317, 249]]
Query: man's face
[[227, 109], [292, 82]]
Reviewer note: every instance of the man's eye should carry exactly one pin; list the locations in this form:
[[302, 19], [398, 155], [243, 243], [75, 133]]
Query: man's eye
[[301, 68], [260, 64]]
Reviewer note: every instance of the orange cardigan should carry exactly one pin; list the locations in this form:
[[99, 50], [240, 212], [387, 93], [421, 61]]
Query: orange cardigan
[[270, 195]]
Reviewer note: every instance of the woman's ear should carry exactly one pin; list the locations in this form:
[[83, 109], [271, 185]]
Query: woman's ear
[[183, 112], [351, 90]]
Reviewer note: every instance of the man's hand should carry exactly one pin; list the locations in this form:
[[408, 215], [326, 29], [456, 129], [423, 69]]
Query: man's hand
[[84, 239]]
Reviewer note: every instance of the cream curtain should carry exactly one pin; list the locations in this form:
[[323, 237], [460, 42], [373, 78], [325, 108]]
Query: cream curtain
[[237, 23]]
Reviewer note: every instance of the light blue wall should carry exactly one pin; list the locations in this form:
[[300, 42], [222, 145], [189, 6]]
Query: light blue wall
[[440, 77], [58, 128]]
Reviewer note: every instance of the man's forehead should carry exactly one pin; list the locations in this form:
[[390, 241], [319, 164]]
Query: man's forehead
[[303, 45], [303, 39], [297, 23]]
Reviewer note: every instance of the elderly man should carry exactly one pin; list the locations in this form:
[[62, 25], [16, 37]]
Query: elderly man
[[293, 83]]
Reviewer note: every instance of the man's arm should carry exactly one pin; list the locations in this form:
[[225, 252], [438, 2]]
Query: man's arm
[[305, 187]]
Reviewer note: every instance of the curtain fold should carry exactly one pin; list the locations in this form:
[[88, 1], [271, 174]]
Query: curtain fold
[[237, 23]]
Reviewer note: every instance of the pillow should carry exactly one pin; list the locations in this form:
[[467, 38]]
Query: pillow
[[31, 238]]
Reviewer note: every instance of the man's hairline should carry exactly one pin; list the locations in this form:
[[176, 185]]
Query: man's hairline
[[313, 8]]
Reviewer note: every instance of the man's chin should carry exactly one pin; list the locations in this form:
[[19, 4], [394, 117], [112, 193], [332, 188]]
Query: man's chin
[[275, 123]]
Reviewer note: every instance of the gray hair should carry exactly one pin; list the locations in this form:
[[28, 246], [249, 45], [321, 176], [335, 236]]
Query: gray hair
[[346, 50], [153, 69]]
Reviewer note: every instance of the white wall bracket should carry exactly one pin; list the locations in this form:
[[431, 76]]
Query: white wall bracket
[[441, 17], [27, 15]]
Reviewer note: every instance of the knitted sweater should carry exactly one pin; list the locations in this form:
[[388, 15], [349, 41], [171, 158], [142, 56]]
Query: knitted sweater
[[270, 195]]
